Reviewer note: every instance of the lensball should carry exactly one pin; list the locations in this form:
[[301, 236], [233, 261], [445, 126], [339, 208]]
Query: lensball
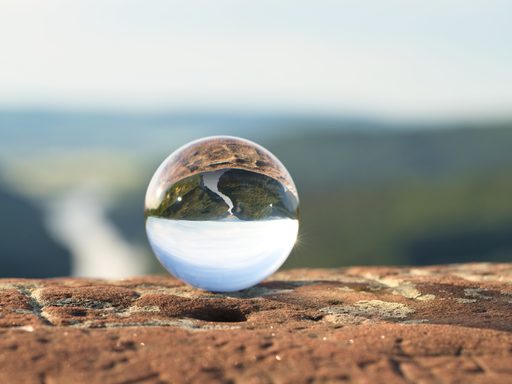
[[222, 213]]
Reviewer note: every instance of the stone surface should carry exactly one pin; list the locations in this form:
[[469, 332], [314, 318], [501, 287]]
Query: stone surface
[[446, 324]]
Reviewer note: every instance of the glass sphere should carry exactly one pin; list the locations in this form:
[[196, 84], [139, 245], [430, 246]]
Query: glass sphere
[[222, 213]]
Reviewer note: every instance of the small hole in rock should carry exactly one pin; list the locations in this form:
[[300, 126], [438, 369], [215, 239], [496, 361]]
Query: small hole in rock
[[78, 312], [266, 345], [221, 315]]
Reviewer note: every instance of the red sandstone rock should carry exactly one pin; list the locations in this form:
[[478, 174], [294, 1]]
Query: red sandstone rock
[[447, 324]]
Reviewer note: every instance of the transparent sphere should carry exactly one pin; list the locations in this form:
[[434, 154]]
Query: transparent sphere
[[222, 213]]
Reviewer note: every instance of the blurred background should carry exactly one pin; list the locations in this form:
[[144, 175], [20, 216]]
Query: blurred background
[[393, 117]]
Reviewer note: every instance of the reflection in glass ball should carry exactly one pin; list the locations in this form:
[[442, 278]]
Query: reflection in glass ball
[[222, 213]]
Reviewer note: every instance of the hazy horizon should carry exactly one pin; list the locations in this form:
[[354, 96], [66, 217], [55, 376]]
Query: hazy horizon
[[395, 59]]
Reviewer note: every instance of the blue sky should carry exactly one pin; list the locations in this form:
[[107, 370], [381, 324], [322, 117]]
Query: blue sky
[[409, 58]]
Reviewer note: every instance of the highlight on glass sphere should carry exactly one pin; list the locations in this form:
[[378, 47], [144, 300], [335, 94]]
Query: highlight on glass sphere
[[222, 213]]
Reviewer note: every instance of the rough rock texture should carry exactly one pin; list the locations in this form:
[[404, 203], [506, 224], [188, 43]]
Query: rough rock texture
[[441, 324]]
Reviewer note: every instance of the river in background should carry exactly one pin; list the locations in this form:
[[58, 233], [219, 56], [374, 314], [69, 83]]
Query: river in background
[[79, 222]]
